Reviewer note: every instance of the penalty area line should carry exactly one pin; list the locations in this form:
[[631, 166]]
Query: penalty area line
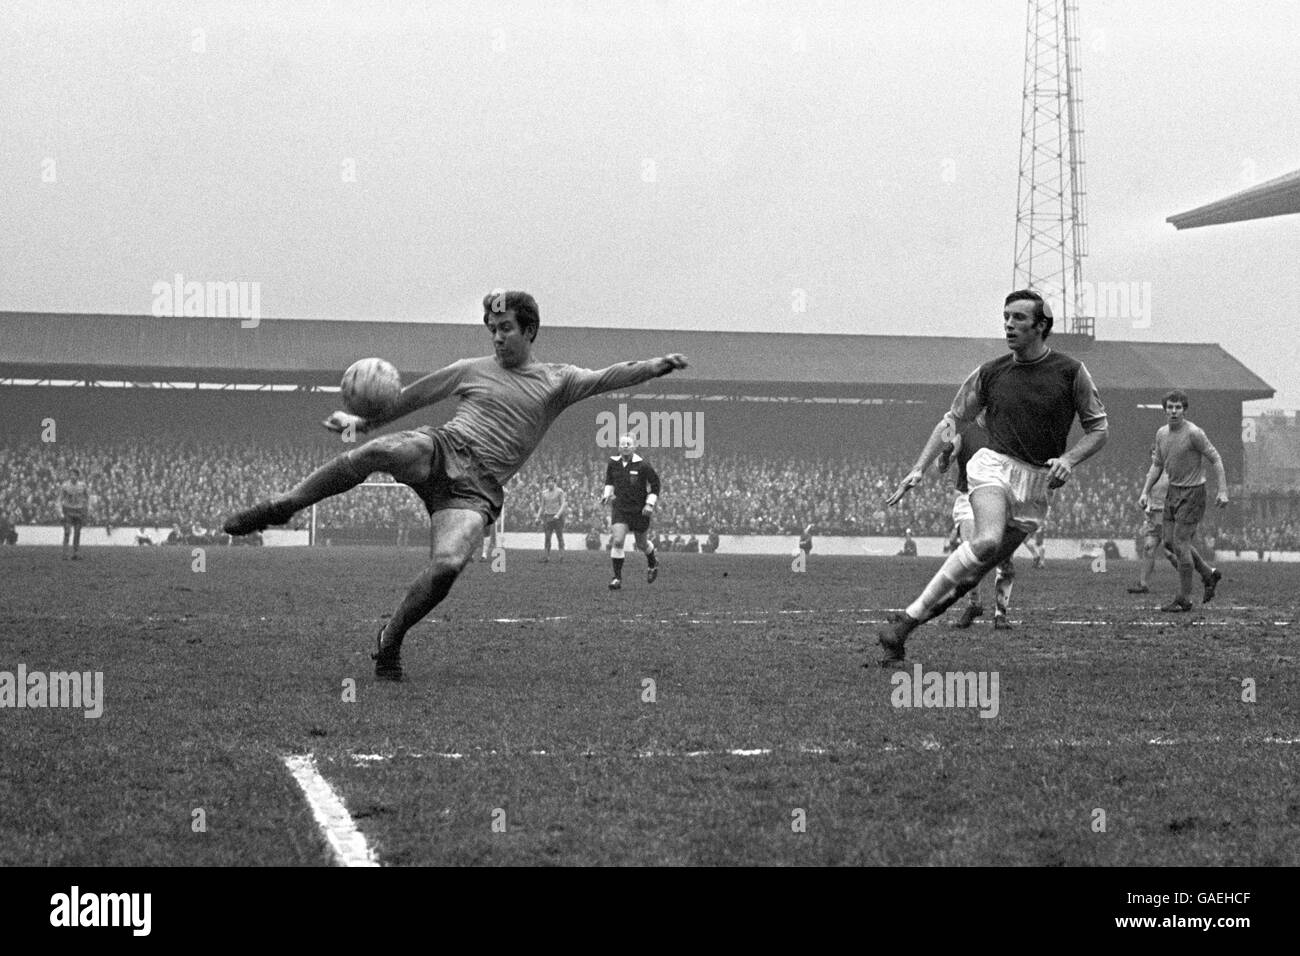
[[346, 842]]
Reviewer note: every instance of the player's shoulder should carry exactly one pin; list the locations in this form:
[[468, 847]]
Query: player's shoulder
[[561, 370], [481, 366], [996, 364]]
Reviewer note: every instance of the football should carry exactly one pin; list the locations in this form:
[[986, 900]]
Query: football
[[370, 387]]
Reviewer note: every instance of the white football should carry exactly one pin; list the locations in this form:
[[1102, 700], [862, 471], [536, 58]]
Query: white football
[[370, 387]]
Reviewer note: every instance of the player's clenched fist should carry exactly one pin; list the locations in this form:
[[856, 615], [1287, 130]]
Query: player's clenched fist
[[673, 362]]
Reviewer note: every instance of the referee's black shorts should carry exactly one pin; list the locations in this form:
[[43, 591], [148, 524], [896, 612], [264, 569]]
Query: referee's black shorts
[[636, 522]]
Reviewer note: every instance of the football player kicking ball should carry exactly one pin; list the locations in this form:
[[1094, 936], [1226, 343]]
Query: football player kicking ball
[[1030, 399], [507, 402], [633, 486]]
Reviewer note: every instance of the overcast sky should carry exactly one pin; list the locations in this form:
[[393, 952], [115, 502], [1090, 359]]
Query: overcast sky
[[659, 165]]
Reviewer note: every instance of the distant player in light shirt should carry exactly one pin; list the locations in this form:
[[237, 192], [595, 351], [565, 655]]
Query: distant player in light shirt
[[1153, 540], [1181, 453], [74, 503], [507, 402], [551, 514], [1030, 399]]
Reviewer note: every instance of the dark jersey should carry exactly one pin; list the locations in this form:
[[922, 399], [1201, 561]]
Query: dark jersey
[[632, 481], [972, 440], [1030, 406]]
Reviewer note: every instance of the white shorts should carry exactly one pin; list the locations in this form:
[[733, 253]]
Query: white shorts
[[961, 509], [1023, 485]]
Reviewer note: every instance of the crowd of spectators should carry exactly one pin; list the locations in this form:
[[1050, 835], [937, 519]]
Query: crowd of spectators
[[193, 486]]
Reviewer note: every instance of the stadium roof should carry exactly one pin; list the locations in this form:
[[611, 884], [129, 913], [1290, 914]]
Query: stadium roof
[[314, 352], [1277, 197]]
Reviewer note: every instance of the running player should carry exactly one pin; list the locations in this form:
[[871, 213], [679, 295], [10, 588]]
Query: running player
[[633, 485], [963, 449], [74, 503], [1030, 399], [507, 402], [551, 513], [1182, 449]]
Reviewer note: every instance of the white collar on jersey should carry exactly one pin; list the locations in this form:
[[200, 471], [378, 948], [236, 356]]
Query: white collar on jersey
[[635, 458]]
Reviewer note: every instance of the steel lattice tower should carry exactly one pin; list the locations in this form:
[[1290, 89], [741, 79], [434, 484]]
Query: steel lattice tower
[[1051, 232]]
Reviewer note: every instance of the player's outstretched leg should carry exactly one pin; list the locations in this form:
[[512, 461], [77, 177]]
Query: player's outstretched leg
[[404, 455], [992, 543], [67, 536], [456, 535]]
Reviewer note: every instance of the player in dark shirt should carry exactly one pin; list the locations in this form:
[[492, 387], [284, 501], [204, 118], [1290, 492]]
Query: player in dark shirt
[[633, 486], [1030, 399]]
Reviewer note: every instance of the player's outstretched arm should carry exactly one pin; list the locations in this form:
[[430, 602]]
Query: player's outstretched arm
[[940, 435], [423, 392], [584, 383]]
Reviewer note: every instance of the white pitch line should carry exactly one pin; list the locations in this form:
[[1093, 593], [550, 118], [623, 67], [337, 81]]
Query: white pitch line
[[347, 842], [927, 743]]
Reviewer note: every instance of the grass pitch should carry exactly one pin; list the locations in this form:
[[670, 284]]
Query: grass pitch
[[525, 732]]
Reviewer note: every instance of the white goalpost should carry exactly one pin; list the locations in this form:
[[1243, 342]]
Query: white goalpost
[[313, 533]]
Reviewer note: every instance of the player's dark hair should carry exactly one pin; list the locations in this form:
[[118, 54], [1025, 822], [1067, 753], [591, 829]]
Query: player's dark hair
[[523, 305], [550, 477], [1176, 395], [1042, 311]]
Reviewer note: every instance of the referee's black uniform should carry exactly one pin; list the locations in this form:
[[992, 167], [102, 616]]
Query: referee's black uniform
[[633, 481]]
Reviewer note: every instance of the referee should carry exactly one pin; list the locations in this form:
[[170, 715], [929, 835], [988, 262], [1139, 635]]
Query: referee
[[633, 485]]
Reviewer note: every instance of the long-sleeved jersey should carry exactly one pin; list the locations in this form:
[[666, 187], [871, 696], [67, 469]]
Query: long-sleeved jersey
[[1181, 454], [504, 412]]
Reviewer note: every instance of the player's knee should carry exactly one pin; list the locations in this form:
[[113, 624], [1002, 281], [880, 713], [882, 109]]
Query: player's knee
[[388, 453], [446, 564], [985, 546]]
